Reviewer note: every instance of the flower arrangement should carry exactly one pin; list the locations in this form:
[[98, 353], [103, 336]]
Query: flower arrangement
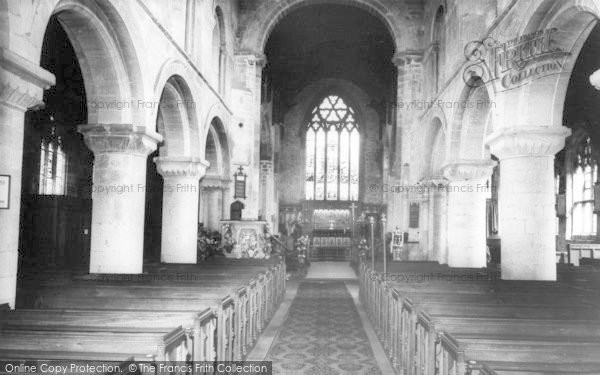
[[301, 246], [363, 248], [208, 244], [227, 243]]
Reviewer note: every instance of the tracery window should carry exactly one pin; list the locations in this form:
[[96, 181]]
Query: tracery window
[[332, 152], [584, 220], [53, 165]]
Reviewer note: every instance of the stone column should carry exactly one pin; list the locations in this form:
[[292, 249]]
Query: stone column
[[118, 195], [180, 207], [410, 77], [439, 219], [526, 200], [21, 87], [467, 191], [268, 193], [212, 191], [226, 200], [249, 68]]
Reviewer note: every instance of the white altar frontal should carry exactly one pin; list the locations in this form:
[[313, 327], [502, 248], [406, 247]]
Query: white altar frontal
[[248, 237]]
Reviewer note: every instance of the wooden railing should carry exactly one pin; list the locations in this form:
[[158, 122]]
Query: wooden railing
[[408, 335], [229, 332]]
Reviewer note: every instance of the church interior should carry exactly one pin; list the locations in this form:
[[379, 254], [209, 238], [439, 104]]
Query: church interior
[[300, 186]]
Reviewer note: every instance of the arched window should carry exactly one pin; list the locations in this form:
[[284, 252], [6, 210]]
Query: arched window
[[332, 152], [584, 177], [53, 165]]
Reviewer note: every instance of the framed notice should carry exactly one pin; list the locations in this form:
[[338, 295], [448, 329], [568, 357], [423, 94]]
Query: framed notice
[[413, 217], [4, 192]]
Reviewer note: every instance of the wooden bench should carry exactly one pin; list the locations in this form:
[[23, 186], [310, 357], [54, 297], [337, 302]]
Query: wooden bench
[[416, 336], [220, 318]]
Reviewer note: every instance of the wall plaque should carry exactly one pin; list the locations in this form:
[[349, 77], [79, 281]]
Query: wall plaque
[[4, 192], [239, 179], [413, 217]]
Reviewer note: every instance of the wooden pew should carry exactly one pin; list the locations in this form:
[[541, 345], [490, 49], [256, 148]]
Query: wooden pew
[[412, 338], [240, 315]]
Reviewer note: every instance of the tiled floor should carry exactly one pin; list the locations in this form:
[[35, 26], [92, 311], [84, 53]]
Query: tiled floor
[[330, 270], [323, 334]]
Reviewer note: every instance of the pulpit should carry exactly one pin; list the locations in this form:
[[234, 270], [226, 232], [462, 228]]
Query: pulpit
[[248, 237]]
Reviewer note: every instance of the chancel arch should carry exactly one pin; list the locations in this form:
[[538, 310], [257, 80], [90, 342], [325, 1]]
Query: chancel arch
[[257, 29]]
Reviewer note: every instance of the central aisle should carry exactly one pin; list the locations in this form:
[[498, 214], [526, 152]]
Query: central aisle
[[323, 334]]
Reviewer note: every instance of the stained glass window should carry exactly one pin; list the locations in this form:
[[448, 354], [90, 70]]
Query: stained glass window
[[586, 172], [53, 165], [332, 152]]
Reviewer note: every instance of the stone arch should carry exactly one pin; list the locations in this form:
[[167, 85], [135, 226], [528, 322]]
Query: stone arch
[[265, 18], [434, 148], [476, 125], [470, 123], [437, 47], [219, 48], [215, 185], [106, 55], [574, 21], [217, 150], [176, 119]]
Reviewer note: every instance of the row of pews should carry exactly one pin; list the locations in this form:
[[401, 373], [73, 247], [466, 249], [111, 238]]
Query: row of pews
[[432, 319], [213, 311]]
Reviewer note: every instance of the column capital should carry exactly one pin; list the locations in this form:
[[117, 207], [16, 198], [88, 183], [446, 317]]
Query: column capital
[[22, 82], [468, 169], [258, 59], [119, 138], [436, 181], [213, 182], [407, 58], [181, 166], [527, 141]]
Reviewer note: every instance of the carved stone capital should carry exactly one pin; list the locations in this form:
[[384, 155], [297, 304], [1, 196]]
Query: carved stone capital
[[528, 141], [22, 82], [119, 138], [465, 169], [436, 181], [212, 182], [181, 166], [253, 58], [407, 58]]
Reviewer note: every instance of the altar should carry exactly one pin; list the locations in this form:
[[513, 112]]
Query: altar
[[245, 239]]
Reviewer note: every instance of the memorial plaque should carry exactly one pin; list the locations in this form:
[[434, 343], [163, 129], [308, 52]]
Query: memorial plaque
[[4, 192]]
